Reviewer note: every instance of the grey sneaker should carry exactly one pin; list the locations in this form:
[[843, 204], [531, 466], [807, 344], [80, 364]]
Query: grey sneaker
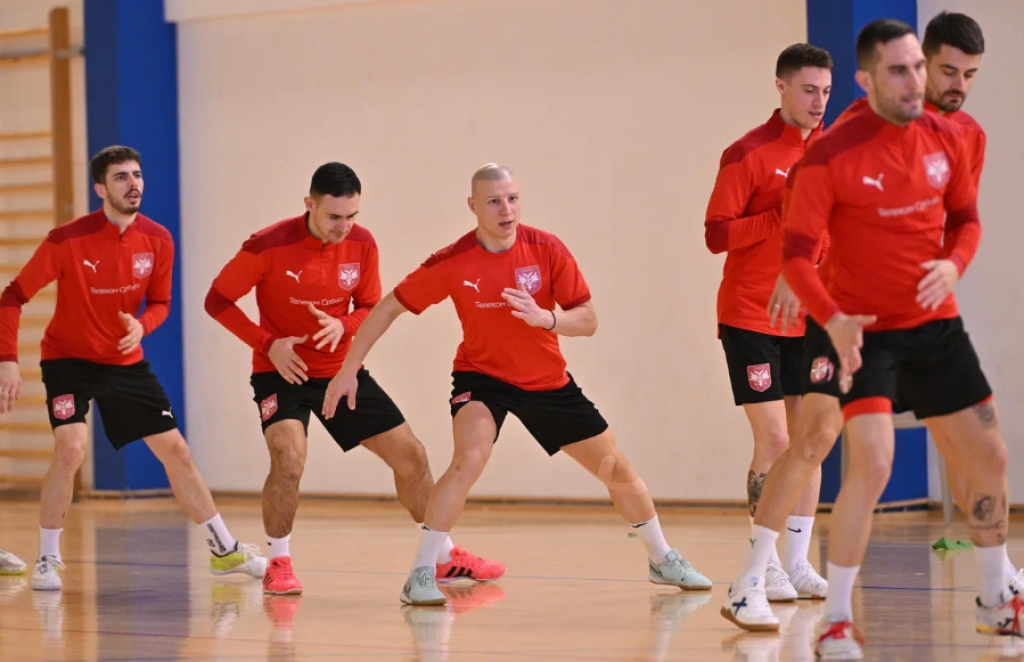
[[677, 571], [421, 588]]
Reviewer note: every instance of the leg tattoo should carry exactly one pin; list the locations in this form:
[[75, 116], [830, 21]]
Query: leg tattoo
[[755, 485]]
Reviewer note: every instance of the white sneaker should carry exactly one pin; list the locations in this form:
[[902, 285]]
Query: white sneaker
[[777, 585], [1004, 620], [748, 608], [11, 564], [245, 558], [840, 641], [421, 588], [808, 583], [46, 574]]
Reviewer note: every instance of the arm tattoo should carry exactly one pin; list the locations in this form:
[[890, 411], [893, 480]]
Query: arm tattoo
[[986, 413], [755, 484]]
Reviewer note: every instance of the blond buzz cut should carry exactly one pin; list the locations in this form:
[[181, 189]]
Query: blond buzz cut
[[492, 172]]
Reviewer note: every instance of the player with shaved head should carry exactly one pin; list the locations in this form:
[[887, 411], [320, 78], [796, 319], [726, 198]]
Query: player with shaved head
[[515, 289]]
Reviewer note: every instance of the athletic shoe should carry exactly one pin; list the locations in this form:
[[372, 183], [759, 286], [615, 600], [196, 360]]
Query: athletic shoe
[[421, 589], [280, 578], [468, 566], [245, 559], [777, 585], [46, 574], [11, 564], [808, 583], [677, 571], [748, 608], [1004, 620], [840, 641]]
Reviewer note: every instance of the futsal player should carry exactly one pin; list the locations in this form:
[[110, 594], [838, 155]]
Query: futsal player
[[744, 220], [316, 278], [505, 280], [105, 264], [953, 46]]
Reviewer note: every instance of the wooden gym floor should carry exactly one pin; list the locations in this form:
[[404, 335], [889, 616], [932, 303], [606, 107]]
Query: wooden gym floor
[[137, 589]]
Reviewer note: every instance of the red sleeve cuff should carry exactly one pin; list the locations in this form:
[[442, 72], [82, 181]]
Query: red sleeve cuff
[[402, 300], [960, 266], [578, 302], [266, 345], [8, 357]]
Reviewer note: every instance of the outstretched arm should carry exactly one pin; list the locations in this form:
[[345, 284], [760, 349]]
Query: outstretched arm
[[376, 325]]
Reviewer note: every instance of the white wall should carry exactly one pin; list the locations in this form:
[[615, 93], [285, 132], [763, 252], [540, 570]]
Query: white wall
[[612, 112], [990, 295]]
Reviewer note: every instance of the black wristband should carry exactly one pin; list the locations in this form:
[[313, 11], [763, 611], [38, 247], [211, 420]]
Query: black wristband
[[554, 321]]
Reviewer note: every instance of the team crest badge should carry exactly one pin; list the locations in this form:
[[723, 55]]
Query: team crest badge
[[348, 276], [64, 407], [936, 168], [822, 370], [528, 279], [268, 407], [760, 377], [142, 264]]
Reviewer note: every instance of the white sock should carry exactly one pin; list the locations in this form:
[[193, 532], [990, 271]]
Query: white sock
[[217, 536], [430, 547], [1008, 568], [49, 542], [278, 546], [839, 603], [762, 543], [654, 540], [993, 577], [445, 555], [774, 557], [798, 541]]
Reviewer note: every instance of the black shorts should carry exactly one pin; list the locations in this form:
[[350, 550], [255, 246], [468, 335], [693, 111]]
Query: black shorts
[[555, 418], [762, 368], [131, 400], [931, 370], [820, 366], [375, 413]]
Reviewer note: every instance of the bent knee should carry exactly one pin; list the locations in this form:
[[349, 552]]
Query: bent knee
[[771, 444]]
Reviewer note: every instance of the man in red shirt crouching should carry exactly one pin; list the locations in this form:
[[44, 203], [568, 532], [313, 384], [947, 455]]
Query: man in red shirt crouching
[[505, 280]]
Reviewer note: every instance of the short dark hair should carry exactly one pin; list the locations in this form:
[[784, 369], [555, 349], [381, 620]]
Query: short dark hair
[[798, 56], [875, 33], [336, 180], [109, 156], [956, 30]]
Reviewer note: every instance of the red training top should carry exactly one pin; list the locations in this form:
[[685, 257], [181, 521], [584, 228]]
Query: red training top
[[290, 268], [744, 219], [100, 272], [494, 342], [891, 198], [973, 135]]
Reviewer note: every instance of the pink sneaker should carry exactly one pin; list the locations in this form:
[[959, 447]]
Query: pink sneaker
[[280, 578], [468, 566]]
